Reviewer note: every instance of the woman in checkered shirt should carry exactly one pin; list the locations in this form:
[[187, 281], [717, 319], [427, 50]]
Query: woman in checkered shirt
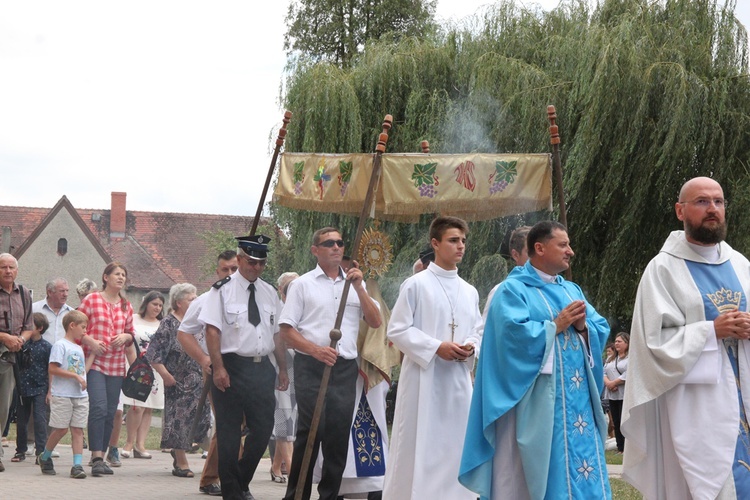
[[110, 330]]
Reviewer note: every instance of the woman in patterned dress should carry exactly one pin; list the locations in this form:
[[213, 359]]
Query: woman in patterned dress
[[183, 381]]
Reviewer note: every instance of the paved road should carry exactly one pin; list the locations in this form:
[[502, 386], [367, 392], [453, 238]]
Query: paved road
[[137, 478]]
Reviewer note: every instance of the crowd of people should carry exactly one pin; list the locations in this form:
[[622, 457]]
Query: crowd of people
[[514, 402]]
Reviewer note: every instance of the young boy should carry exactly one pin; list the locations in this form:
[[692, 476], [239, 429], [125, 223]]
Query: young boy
[[436, 323], [69, 402], [32, 389]]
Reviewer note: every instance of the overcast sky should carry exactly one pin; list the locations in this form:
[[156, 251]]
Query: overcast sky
[[171, 101]]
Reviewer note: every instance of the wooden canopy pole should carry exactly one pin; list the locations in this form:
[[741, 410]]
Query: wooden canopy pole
[[557, 169], [556, 166], [279, 142], [335, 333]]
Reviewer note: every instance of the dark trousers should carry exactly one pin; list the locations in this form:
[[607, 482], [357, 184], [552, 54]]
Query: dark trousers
[[334, 427], [615, 408], [37, 406], [250, 394]]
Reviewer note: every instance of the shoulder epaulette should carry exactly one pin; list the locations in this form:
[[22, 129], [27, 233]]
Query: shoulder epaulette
[[222, 282]]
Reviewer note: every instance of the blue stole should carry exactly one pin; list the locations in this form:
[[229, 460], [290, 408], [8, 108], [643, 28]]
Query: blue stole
[[367, 441], [721, 292]]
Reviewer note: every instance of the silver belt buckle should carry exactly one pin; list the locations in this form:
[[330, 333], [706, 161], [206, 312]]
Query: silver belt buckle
[[257, 359]]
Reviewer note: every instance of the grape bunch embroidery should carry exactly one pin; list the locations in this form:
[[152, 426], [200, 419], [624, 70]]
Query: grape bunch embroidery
[[505, 173], [345, 176], [299, 177], [425, 179]]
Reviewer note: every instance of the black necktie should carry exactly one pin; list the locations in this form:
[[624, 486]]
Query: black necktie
[[252, 307]]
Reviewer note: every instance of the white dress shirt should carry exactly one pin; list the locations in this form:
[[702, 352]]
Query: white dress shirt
[[226, 309], [312, 303]]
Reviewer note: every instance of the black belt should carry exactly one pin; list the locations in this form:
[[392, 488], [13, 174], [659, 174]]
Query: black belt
[[254, 359]]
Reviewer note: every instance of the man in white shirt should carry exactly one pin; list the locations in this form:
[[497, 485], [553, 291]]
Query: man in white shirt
[[308, 316], [54, 307], [192, 336], [240, 315]]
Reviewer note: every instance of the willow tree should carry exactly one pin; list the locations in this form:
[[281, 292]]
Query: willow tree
[[648, 94]]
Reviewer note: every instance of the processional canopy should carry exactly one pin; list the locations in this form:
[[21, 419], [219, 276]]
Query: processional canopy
[[470, 186]]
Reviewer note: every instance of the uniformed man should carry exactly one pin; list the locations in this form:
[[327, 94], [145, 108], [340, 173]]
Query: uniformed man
[[192, 336], [241, 319]]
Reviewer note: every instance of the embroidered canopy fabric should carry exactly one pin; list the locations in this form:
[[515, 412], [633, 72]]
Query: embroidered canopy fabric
[[471, 186]]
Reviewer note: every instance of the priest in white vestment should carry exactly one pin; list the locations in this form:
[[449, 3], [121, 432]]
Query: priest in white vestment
[[436, 323], [684, 413]]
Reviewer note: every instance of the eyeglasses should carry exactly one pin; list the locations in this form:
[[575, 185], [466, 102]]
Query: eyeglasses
[[330, 243], [707, 202]]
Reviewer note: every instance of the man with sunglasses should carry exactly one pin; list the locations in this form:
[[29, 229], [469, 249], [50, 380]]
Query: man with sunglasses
[[240, 315], [686, 399], [308, 316]]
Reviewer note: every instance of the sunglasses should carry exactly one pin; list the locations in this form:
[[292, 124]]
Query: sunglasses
[[252, 262], [331, 243]]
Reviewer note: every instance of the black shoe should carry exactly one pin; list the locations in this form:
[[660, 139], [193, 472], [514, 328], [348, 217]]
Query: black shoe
[[77, 472], [212, 489], [47, 466], [100, 468], [107, 470], [248, 495]]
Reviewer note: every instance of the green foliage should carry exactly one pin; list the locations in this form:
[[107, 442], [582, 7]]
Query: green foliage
[[648, 94], [337, 30], [488, 272], [216, 242], [280, 250]]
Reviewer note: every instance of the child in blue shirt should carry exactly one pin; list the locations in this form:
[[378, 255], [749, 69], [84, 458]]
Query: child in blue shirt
[[32, 389], [69, 401]]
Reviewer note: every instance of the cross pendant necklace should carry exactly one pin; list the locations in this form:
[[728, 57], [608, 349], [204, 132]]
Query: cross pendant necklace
[[452, 324]]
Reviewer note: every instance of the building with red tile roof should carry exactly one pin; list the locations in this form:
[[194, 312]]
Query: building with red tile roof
[[158, 249]]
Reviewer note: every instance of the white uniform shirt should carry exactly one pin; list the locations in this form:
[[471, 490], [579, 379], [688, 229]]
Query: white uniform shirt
[[312, 303], [55, 331], [226, 309], [190, 323]]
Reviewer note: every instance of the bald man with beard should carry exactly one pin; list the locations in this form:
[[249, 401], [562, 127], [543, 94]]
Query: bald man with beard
[[686, 398]]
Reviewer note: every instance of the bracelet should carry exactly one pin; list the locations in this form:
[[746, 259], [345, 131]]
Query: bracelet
[[580, 331]]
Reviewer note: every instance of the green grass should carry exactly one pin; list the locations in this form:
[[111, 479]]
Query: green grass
[[623, 491], [613, 457], [620, 489]]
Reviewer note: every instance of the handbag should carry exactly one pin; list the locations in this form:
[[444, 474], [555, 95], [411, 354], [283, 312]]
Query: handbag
[[140, 377]]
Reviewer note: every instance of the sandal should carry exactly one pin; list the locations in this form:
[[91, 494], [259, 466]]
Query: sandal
[[182, 472], [277, 479], [140, 454], [18, 457]]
